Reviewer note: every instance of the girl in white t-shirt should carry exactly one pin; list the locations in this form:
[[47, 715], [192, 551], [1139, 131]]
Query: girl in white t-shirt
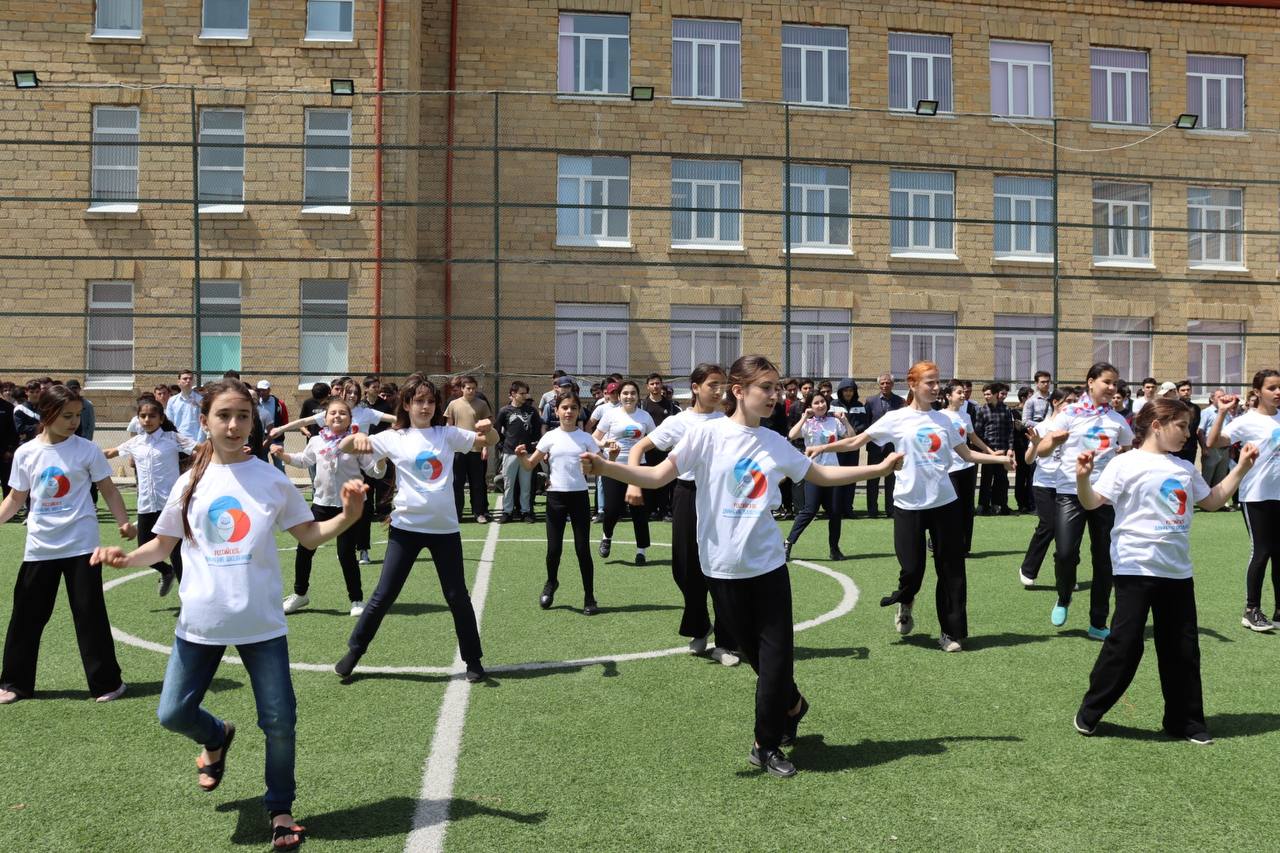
[[333, 468], [56, 469], [424, 515], [925, 503], [624, 424], [1154, 493], [963, 473], [1090, 424], [1259, 491], [818, 428], [1044, 483], [738, 464], [567, 497], [156, 453], [225, 511]]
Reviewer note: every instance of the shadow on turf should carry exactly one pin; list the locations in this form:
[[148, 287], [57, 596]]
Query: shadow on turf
[[136, 690], [1221, 726], [383, 819], [813, 754], [853, 653], [986, 641]]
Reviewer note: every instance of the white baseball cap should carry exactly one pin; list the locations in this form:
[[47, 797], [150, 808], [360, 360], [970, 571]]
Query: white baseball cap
[[1167, 388], [264, 385]]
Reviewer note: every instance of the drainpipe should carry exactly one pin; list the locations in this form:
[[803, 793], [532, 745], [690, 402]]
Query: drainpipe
[[448, 188], [377, 189]]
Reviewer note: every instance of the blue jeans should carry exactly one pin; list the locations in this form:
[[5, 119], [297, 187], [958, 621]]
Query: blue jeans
[[190, 671]]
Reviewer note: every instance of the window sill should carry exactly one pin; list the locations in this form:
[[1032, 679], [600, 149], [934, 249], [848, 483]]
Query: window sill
[[818, 108], [331, 44], [122, 38], [1022, 259], [333, 211], [1034, 120], [1219, 133], [1123, 265], [913, 114], [593, 98], [224, 211], [1216, 268], [122, 385], [712, 103], [112, 210], [708, 247], [1121, 128], [924, 256], [605, 245], [818, 251], [222, 40]]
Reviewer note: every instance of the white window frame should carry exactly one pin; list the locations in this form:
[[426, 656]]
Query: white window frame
[[1030, 66], [604, 323], [307, 132], [716, 45], [113, 135], [802, 215], [1214, 346], [833, 341], [1219, 81], [1036, 252], [100, 31], [1127, 332], [222, 206], [583, 235], [914, 96], [722, 335], [607, 47], [1028, 332], [1213, 217], [826, 52], [306, 380], [331, 35], [209, 302], [922, 331], [115, 308], [1130, 209], [912, 249], [717, 187], [1111, 71], [223, 33]]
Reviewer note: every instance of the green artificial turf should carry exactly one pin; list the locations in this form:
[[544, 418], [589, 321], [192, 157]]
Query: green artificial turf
[[905, 747]]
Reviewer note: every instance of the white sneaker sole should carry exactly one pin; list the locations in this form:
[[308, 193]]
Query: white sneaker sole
[[1257, 628], [1026, 581]]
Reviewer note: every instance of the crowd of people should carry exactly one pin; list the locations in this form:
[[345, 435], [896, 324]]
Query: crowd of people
[[749, 448]]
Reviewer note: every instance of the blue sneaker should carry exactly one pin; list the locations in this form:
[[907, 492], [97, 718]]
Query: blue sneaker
[[1099, 633], [1059, 616]]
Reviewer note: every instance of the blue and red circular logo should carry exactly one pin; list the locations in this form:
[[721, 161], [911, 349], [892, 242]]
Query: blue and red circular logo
[[928, 440], [1096, 438], [631, 432], [227, 520], [749, 482], [1175, 495], [53, 482], [429, 464]]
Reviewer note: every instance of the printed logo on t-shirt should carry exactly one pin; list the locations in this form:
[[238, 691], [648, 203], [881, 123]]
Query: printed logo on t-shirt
[[960, 427], [429, 464], [631, 432], [1275, 442], [53, 482], [226, 524], [749, 483], [929, 442], [1175, 495], [1096, 439]]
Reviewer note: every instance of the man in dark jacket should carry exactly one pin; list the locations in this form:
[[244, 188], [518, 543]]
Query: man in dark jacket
[[517, 423], [877, 407], [855, 413]]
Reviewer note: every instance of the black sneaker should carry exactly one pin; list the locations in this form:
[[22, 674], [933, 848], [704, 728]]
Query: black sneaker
[[836, 554], [530, 518], [548, 594], [786, 550], [475, 673], [505, 518], [597, 518], [1252, 619], [793, 724], [640, 559], [1078, 722], [166, 583], [348, 663], [590, 608], [771, 761], [605, 546]]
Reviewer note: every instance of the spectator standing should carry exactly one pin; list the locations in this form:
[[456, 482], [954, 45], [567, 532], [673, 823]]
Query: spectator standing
[[518, 424], [1148, 394], [8, 433], [183, 408], [25, 420], [1216, 461], [877, 407], [994, 425], [1022, 474], [1188, 451], [468, 466], [660, 407], [271, 413]]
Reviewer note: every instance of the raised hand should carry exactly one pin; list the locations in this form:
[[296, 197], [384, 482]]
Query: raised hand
[[1058, 436], [521, 451], [483, 426], [275, 432], [1248, 455], [361, 443], [592, 463], [612, 448], [353, 492], [635, 496], [113, 556], [893, 462], [1084, 464], [277, 450], [128, 531], [1227, 402]]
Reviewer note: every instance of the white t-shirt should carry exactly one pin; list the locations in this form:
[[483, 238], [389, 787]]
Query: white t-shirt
[[155, 457], [964, 426], [134, 427], [62, 521], [1262, 482], [738, 470], [671, 430], [333, 468], [1045, 475], [362, 416], [602, 408], [564, 456], [1154, 495], [424, 475], [231, 587], [1091, 427], [927, 439], [820, 431], [626, 429]]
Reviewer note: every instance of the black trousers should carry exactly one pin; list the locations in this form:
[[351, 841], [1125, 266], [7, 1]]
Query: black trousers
[[951, 593], [346, 557], [146, 523], [361, 532], [993, 488], [1068, 532], [468, 473], [787, 490], [657, 502], [574, 507], [876, 455], [826, 497], [1262, 520], [1046, 503], [1022, 475], [847, 493], [1172, 604], [686, 569], [34, 596], [403, 547], [758, 612], [615, 504], [964, 483]]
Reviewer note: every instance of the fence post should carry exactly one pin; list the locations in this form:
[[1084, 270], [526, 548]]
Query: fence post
[[787, 367], [497, 263], [1056, 261], [195, 236]]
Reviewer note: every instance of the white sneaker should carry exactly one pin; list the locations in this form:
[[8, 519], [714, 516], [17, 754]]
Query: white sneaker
[[724, 657], [947, 644], [698, 645], [357, 608], [295, 602], [364, 558], [903, 621], [114, 694], [1026, 581]]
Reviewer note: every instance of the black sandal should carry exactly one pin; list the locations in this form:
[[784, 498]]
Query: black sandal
[[215, 769], [283, 831]]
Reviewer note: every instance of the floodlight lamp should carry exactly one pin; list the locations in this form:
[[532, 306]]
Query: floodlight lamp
[[342, 87], [926, 107], [25, 80], [642, 93], [1187, 121]]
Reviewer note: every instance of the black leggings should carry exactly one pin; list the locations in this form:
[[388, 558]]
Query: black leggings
[[829, 498], [574, 507], [615, 503], [686, 569], [942, 523], [1068, 531], [403, 547], [346, 557], [1046, 501], [965, 482], [147, 521], [1262, 520]]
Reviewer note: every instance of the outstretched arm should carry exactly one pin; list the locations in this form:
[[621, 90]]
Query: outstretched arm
[[1221, 493], [853, 442], [844, 475], [276, 432], [312, 534], [155, 551], [646, 478], [1005, 458], [528, 461]]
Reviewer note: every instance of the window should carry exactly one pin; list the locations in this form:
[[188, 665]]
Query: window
[[595, 54], [1215, 91], [1021, 79], [706, 59], [592, 181], [1024, 217], [919, 69], [225, 19], [1124, 342], [591, 339], [118, 18], [330, 20], [1119, 83], [221, 169], [323, 349], [916, 201], [109, 354], [1024, 344], [715, 189], [327, 171], [815, 65], [114, 183], [704, 333], [819, 207], [922, 336], [1121, 222], [1215, 217], [219, 328], [1215, 354], [819, 341]]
